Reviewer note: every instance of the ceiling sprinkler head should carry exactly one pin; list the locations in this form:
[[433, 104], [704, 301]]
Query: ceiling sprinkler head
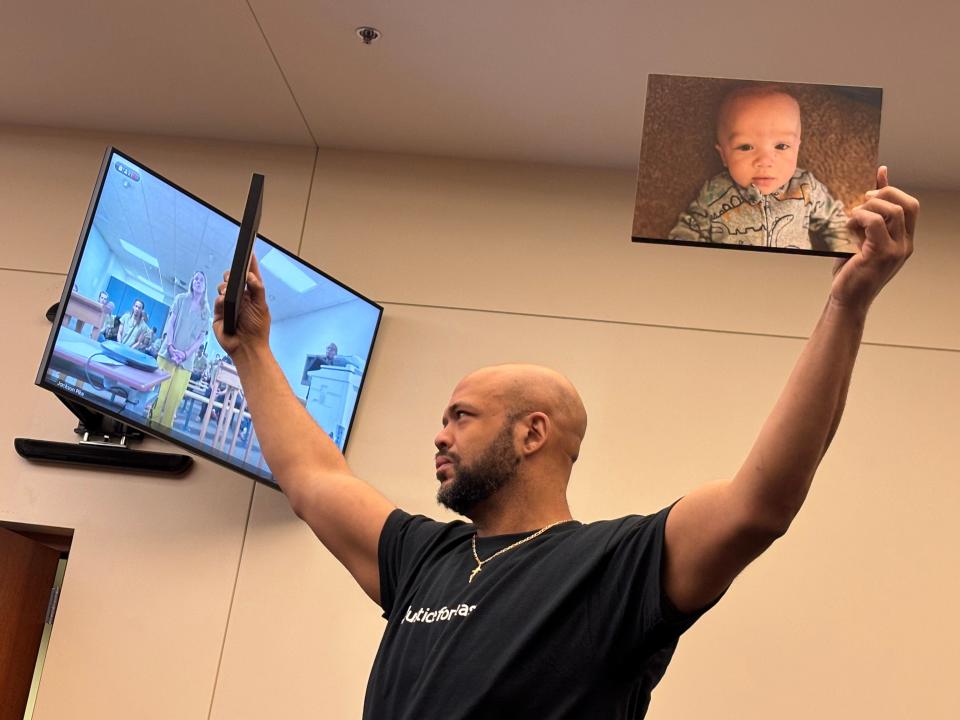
[[367, 34]]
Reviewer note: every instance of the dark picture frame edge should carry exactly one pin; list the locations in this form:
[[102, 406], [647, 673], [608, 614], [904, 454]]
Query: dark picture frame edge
[[749, 248]]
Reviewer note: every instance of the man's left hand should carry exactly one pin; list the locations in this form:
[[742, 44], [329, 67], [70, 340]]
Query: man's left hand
[[883, 227]]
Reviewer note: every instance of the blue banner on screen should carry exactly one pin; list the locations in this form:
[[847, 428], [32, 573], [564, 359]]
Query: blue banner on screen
[[135, 342]]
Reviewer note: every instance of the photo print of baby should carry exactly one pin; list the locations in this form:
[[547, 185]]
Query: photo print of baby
[[754, 165]]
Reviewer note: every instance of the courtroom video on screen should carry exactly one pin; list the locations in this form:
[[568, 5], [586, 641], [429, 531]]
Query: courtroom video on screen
[[135, 339]]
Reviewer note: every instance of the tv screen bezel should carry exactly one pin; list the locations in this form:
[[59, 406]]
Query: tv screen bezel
[[133, 422]]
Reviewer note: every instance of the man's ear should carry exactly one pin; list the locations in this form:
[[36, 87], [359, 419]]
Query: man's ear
[[537, 427]]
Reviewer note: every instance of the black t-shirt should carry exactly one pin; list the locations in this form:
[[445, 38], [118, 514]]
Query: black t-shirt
[[572, 624]]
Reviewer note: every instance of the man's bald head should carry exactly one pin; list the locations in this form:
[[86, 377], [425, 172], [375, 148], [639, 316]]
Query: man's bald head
[[525, 389]]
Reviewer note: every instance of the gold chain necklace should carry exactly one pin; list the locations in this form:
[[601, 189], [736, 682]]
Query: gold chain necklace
[[508, 548]]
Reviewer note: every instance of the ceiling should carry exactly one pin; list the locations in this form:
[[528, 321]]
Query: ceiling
[[549, 81]]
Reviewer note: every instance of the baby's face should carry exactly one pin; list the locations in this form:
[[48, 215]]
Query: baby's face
[[758, 140]]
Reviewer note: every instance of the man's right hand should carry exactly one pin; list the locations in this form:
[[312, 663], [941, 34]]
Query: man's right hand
[[253, 325]]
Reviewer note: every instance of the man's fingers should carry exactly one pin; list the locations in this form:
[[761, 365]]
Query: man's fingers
[[910, 205], [882, 229], [881, 223], [893, 215], [897, 218], [871, 223], [254, 291], [854, 228], [883, 177], [255, 282], [255, 268]]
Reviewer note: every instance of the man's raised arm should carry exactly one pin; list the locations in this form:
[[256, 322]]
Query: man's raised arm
[[346, 513], [716, 530]]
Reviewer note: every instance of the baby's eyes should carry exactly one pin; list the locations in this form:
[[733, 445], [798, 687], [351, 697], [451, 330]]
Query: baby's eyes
[[746, 147]]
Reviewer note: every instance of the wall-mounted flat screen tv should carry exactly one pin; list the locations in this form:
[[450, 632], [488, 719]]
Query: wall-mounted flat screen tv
[[132, 338]]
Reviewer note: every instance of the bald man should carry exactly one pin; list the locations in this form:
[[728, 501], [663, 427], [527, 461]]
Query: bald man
[[526, 612]]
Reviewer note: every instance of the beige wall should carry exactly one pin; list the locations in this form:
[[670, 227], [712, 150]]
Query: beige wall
[[678, 352]]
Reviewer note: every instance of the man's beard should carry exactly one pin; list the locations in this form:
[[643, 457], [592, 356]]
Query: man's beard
[[496, 467]]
